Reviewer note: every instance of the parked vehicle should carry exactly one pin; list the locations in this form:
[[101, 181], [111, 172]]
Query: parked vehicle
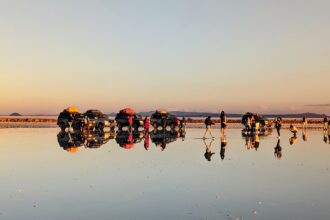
[[259, 118], [94, 119], [163, 118], [122, 119], [66, 117], [255, 123]]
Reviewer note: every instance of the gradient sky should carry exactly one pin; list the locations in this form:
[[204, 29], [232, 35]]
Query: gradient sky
[[265, 56]]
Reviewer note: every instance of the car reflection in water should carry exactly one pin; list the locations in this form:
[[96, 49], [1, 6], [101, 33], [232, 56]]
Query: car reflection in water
[[97, 139], [126, 139], [163, 137], [71, 140]]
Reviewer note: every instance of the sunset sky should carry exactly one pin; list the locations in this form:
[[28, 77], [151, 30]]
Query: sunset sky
[[264, 56]]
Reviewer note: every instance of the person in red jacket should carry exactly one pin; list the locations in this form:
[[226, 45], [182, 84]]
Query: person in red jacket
[[130, 122], [146, 124]]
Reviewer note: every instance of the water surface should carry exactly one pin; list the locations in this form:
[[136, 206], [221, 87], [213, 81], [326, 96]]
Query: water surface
[[41, 180]]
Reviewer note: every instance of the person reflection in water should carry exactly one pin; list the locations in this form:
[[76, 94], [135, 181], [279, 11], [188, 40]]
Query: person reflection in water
[[146, 141], [208, 151], [248, 142], [278, 150], [223, 146], [325, 137], [304, 135], [256, 142]]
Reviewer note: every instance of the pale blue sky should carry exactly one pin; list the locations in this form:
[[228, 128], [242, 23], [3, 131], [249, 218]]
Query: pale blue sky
[[266, 56]]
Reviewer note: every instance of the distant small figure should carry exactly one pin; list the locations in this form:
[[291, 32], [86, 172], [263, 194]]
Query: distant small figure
[[278, 125], [208, 123], [223, 122], [208, 151], [146, 125], [223, 146], [304, 121], [293, 129], [325, 123], [278, 150]]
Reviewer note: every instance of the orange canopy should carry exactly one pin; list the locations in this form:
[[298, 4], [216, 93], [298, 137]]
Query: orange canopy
[[72, 109], [128, 111]]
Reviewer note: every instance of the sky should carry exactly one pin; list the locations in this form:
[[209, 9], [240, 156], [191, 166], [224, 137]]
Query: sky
[[190, 55]]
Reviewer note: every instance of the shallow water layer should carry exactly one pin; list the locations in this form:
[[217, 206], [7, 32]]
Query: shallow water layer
[[184, 180]]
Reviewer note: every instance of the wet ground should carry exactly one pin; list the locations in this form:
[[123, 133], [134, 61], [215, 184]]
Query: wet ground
[[180, 178]]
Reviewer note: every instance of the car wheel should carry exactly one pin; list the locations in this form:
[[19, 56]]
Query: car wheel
[[62, 126]]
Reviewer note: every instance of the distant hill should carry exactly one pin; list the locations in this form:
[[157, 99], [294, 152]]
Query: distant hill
[[15, 114], [230, 115]]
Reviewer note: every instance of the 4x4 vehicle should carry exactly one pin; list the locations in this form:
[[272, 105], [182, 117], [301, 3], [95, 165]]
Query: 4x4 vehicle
[[66, 117], [94, 119], [122, 119], [264, 122], [163, 118]]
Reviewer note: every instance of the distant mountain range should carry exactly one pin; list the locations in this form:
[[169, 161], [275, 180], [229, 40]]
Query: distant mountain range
[[205, 114]]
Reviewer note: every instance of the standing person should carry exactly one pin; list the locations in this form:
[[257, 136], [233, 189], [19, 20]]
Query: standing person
[[146, 125], [304, 121], [130, 122], [278, 126], [208, 122], [325, 123], [223, 122]]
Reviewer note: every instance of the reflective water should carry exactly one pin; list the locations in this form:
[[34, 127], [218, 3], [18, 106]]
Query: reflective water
[[189, 179]]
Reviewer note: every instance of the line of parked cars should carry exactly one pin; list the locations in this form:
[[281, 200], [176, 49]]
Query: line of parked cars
[[71, 118]]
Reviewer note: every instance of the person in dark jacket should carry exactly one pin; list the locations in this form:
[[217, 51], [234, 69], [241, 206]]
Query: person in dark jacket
[[278, 125], [208, 122]]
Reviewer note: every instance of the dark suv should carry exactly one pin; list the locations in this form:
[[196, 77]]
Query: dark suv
[[94, 119], [65, 118], [163, 118], [122, 119]]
